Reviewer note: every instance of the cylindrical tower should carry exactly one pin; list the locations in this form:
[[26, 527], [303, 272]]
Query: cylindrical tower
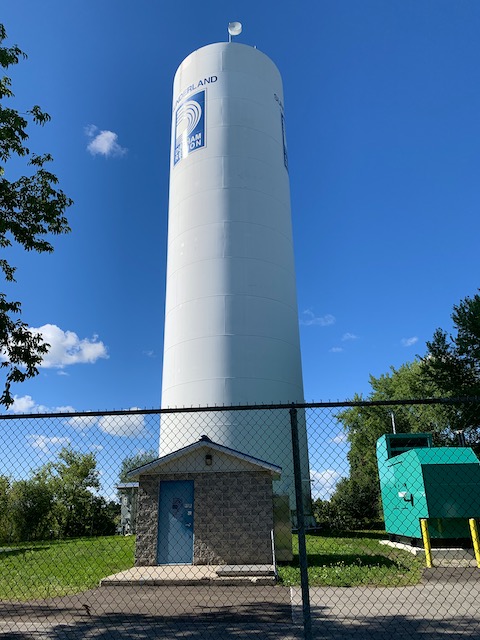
[[231, 320]]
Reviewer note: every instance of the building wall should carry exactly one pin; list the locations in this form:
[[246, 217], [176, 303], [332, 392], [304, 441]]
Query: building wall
[[147, 521], [233, 517]]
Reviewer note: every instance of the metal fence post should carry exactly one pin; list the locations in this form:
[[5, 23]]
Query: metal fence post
[[302, 546]]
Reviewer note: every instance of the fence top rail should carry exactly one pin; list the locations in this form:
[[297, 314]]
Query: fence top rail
[[248, 407]]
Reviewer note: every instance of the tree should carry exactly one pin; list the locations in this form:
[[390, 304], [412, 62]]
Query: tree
[[451, 369], [365, 424], [334, 516], [31, 504], [135, 461], [31, 208], [5, 520], [452, 364], [72, 477], [453, 361], [104, 517], [57, 499]]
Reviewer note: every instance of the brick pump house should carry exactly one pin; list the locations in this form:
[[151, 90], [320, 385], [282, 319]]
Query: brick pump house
[[205, 504]]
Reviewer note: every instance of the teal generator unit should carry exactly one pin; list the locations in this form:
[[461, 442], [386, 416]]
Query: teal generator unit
[[417, 480]]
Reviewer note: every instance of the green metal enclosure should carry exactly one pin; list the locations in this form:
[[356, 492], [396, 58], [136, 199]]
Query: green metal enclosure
[[417, 480]]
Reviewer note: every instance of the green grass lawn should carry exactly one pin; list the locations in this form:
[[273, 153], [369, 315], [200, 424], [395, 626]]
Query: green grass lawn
[[61, 567], [352, 560]]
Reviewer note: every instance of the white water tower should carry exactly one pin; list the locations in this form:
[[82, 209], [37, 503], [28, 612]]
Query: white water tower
[[231, 318]]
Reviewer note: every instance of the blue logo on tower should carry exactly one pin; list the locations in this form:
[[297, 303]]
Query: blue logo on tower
[[189, 126]]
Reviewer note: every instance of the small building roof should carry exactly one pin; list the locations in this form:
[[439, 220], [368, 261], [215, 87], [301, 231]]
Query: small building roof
[[127, 485], [154, 467]]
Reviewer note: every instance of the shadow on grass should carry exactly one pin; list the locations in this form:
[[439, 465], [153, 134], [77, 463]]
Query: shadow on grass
[[11, 552], [372, 535]]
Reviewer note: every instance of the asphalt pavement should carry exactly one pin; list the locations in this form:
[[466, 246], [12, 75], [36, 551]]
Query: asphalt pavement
[[445, 604], [166, 612]]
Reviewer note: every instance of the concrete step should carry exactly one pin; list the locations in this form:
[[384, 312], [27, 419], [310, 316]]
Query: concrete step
[[243, 570], [162, 575]]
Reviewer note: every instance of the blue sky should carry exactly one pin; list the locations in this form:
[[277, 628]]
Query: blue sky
[[382, 105]]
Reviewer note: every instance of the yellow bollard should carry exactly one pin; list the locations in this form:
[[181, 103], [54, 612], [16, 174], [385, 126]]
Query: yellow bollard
[[426, 542], [476, 544]]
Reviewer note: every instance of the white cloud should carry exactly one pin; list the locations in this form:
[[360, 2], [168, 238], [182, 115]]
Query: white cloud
[[408, 342], [46, 444], [23, 404], [150, 353], [323, 483], [26, 404], [336, 350], [349, 336], [67, 348], [340, 438], [126, 426], [309, 319], [103, 143], [90, 130], [82, 422]]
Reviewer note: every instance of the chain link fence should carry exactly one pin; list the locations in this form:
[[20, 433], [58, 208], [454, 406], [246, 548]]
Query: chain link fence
[[319, 520]]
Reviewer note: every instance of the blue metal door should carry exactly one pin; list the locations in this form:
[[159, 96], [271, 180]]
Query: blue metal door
[[175, 522]]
